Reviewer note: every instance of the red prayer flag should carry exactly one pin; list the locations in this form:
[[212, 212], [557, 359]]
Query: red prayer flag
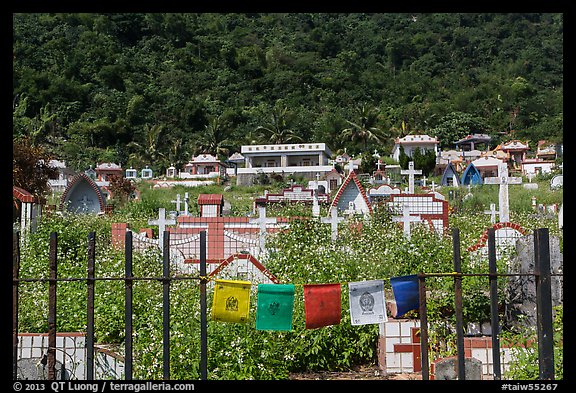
[[322, 305]]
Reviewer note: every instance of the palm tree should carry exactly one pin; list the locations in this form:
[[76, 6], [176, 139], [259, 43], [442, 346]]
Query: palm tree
[[149, 151], [278, 130], [365, 129], [213, 140]]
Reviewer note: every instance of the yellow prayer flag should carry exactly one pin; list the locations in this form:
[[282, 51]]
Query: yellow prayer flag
[[231, 301]]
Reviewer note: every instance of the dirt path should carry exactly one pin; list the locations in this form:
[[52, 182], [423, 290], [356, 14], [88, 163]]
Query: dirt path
[[361, 373]]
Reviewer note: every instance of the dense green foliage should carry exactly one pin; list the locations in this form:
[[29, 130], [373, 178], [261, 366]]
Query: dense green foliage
[[140, 88]]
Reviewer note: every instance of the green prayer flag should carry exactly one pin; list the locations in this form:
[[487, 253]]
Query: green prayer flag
[[275, 307]]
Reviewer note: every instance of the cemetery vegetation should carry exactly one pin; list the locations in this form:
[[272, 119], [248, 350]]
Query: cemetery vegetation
[[302, 254]]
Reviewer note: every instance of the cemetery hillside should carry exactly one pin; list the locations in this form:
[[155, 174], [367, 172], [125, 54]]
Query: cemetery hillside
[[263, 196]]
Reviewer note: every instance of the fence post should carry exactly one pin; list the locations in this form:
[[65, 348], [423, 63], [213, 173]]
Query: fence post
[[128, 305], [203, 309], [15, 277], [494, 320], [458, 305], [52, 307], [544, 304], [166, 304], [90, 308], [423, 326]]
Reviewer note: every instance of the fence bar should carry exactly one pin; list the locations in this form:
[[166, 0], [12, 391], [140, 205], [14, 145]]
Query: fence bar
[[15, 276], [494, 320], [544, 304], [52, 307], [128, 306], [90, 307], [423, 327], [166, 305], [458, 305], [203, 309]]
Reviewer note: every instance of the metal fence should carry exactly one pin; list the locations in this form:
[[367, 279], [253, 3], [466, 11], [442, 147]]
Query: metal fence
[[542, 274]]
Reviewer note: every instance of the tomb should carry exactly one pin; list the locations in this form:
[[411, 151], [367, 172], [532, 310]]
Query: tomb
[[351, 197], [471, 176], [82, 195], [430, 209], [450, 176]]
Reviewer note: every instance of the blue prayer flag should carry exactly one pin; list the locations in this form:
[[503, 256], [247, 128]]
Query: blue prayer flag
[[406, 293]]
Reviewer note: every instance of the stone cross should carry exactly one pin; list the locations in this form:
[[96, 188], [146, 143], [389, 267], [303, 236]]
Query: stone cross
[[315, 205], [177, 202], [161, 222], [351, 166], [503, 180], [379, 164], [492, 212], [433, 186], [406, 219], [411, 172], [424, 178], [333, 221], [262, 220], [186, 199]]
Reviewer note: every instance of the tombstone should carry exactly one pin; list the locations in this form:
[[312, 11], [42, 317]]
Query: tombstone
[[262, 220], [406, 219], [82, 195], [411, 172], [492, 213], [557, 182], [521, 290], [333, 221], [161, 222], [35, 369], [447, 369], [503, 180]]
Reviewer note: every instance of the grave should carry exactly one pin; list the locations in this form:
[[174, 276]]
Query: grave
[[471, 175], [447, 369], [450, 176], [411, 172], [521, 290], [431, 210], [334, 220], [352, 197], [503, 180], [406, 219], [505, 233], [293, 194], [82, 195]]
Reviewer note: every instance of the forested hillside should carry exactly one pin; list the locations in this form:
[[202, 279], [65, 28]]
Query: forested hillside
[[154, 89]]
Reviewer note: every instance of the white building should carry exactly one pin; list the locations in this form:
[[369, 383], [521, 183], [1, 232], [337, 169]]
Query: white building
[[412, 142], [305, 159]]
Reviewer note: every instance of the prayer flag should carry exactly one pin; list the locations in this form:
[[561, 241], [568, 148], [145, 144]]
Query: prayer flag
[[367, 302], [275, 306], [406, 293], [231, 301], [322, 305]]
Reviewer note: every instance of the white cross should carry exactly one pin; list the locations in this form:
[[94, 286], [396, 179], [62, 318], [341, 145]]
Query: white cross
[[433, 186], [315, 205], [379, 164], [177, 202], [411, 172], [333, 162], [503, 180], [406, 219], [161, 222], [186, 199], [424, 178], [351, 166], [262, 220], [492, 212], [333, 221]]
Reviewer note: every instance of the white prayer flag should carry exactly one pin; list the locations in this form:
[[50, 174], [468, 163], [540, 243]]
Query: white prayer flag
[[367, 303]]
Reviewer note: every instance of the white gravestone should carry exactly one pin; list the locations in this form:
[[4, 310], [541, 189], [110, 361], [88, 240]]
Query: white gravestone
[[492, 213], [333, 221], [411, 172], [406, 219], [161, 222], [262, 220], [503, 180]]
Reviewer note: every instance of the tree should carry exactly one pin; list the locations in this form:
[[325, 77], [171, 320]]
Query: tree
[[278, 129], [148, 153], [364, 129], [213, 140], [30, 167]]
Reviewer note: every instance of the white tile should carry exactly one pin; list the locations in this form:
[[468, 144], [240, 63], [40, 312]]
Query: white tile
[[37, 352], [26, 341], [392, 361], [390, 341], [406, 328], [26, 352], [60, 342], [392, 329], [38, 341], [407, 361]]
